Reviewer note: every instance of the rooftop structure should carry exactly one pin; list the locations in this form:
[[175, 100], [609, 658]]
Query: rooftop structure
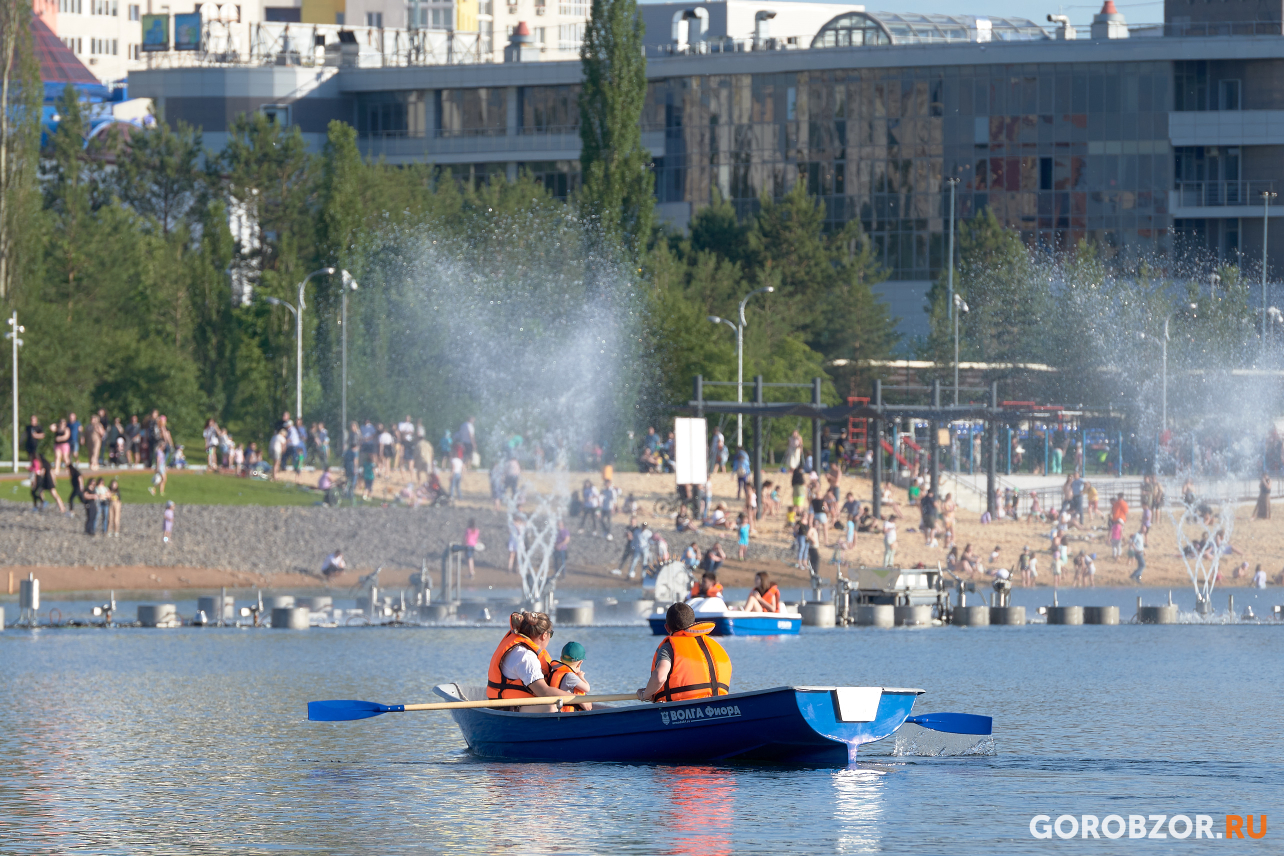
[[1159, 145]]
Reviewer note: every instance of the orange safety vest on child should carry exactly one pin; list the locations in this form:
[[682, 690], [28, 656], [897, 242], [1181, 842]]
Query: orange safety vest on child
[[701, 668], [772, 597], [715, 590], [499, 686], [559, 671]]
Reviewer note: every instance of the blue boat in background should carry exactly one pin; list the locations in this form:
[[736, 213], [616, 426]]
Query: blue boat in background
[[794, 725], [735, 622]]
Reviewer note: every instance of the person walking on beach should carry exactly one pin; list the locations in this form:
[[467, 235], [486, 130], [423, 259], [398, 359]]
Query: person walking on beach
[[114, 507], [1139, 553], [77, 488], [91, 512], [167, 527], [1263, 509], [32, 435], [472, 535], [889, 541]]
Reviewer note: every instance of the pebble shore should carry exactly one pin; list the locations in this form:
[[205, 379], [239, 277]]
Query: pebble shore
[[270, 540]]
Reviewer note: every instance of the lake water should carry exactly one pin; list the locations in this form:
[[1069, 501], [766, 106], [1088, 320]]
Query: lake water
[[195, 740]]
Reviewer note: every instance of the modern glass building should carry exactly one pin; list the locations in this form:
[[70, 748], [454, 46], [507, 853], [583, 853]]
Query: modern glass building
[[1157, 143]]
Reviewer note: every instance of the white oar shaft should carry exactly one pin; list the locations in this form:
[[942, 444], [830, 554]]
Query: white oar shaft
[[517, 702]]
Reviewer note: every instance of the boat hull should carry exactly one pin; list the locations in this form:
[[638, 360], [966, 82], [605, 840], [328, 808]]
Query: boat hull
[[793, 725], [741, 624]]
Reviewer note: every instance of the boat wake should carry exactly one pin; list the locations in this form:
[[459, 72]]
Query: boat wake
[[912, 741]]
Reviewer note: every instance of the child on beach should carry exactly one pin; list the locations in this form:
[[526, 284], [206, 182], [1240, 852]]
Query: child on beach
[[1116, 538], [742, 526], [168, 526]]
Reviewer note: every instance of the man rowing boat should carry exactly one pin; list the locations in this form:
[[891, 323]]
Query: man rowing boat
[[520, 666], [688, 664]]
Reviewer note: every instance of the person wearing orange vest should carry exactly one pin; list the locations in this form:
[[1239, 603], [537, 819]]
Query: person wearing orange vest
[[567, 676], [520, 666], [708, 586], [764, 596], [688, 664]]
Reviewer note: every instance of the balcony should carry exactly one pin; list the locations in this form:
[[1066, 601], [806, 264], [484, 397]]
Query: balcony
[[1226, 128], [1221, 199]]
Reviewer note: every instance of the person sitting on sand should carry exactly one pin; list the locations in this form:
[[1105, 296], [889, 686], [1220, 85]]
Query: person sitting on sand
[[764, 596], [333, 565], [687, 664], [567, 675]]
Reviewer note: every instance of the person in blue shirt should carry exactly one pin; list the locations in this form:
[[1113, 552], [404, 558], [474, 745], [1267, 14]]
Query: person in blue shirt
[[74, 424]]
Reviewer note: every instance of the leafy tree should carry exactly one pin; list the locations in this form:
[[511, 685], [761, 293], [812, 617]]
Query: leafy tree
[[617, 186]]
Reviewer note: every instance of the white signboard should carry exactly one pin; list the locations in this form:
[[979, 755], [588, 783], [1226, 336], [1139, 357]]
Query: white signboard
[[690, 451]]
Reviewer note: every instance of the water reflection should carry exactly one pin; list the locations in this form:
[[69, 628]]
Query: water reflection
[[858, 809], [701, 809]]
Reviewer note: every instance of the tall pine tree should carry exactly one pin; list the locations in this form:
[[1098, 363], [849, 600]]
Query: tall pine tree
[[617, 188]]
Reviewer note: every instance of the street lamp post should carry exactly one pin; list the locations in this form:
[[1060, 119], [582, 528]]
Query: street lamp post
[[960, 307], [1267, 196], [740, 356], [13, 335], [949, 261], [348, 283], [1163, 345], [298, 337]]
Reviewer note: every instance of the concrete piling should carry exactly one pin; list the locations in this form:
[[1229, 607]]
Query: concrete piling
[[1166, 614], [874, 615], [1007, 615], [913, 616], [575, 613], [817, 613], [158, 615], [1101, 615], [971, 616], [290, 617], [1065, 615]]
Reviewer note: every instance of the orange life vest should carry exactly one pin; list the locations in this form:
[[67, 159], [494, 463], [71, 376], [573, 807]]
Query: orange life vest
[[701, 668], [715, 590], [560, 671], [772, 597], [499, 686]]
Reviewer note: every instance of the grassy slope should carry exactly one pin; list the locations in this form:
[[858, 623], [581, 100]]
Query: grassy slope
[[202, 489]]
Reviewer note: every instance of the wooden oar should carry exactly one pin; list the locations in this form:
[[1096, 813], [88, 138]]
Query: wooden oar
[[341, 710]]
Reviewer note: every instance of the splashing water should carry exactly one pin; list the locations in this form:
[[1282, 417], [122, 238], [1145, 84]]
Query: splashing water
[[1203, 530], [924, 742], [530, 325]]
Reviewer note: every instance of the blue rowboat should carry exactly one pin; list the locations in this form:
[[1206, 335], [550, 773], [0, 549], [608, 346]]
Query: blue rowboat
[[795, 725], [734, 622], [737, 623]]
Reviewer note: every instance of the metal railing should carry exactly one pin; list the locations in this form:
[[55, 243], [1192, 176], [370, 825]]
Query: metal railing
[[1198, 194], [226, 43]]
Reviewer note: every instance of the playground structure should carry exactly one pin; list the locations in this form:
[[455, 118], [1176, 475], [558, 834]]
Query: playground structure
[[901, 447]]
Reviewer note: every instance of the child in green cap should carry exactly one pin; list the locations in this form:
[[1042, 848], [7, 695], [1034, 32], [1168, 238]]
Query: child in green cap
[[567, 674]]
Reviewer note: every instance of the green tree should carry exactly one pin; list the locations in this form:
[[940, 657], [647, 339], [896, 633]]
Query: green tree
[[1006, 300], [158, 174], [617, 185], [20, 96]]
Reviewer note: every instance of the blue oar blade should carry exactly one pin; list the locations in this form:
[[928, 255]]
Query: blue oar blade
[[341, 710], [955, 723]]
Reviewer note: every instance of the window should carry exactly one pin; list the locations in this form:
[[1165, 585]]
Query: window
[[134, 52], [282, 14], [1228, 95], [486, 7], [374, 19], [570, 37], [472, 112], [573, 8], [277, 114], [71, 7], [539, 36], [133, 12], [548, 109]]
